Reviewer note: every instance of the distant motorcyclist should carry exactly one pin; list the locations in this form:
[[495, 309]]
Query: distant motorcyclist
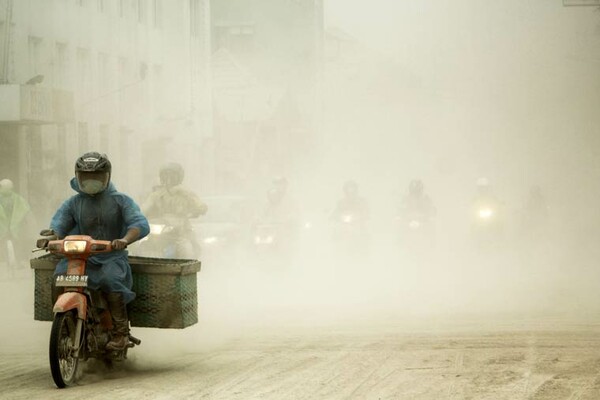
[[14, 214], [485, 197], [352, 208], [416, 202], [487, 219], [279, 207], [176, 205], [416, 215], [277, 221]]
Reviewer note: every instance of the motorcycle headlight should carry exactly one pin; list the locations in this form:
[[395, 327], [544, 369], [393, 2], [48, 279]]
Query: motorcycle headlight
[[264, 239], [75, 246], [347, 218], [486, 213], [210, 240], [156, 229]]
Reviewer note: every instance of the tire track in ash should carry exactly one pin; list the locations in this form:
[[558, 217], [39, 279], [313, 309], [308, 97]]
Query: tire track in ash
[[453, 391]]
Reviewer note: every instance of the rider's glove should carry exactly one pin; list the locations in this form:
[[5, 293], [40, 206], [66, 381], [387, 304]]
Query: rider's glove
[[119, 244]]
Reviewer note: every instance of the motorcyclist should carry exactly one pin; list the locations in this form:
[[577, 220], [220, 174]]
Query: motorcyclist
[[351, 206], [171, 200], [278, 218], [416, 202], [100, 211], [487, 213], [14, 214], [279, 207], [485, 195]]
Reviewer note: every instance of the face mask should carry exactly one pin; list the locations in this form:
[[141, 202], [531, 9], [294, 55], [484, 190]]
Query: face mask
[[91, 186]]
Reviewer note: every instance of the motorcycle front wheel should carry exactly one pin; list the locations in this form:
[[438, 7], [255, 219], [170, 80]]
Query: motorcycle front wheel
[[63, 362]]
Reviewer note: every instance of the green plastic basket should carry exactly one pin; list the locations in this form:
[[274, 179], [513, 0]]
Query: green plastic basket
[[166, 291]]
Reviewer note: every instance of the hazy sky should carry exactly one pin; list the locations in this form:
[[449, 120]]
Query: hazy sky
[[496, 66]]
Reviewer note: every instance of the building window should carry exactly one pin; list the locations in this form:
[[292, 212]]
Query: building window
[[141, 9], [121, 8], [123, 79], [157, 86], [83, 135], [62, 65], [104, 138], [81, 3], [35, 56], [103, 76], [195, 23], [83, 71], [3, 61], [157, 13], [237, 38], [123, 71], [101, 6]]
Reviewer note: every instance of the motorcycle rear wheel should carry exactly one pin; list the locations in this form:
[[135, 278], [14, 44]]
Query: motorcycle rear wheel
[[63, 363]]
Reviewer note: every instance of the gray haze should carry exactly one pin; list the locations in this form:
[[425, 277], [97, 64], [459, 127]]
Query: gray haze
[[380, 92]]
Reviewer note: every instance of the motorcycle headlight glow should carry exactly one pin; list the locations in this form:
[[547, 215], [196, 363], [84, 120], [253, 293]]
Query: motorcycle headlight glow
[[414, 225], [75, 246], [347, 218], [486, 213], [264, 239], [156, 229], [210, 240]]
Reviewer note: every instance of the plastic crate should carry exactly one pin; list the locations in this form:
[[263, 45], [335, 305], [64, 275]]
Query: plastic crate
[[166, 291]]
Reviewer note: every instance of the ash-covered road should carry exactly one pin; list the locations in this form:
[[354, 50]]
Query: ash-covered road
[[265, 356], [344, 364]]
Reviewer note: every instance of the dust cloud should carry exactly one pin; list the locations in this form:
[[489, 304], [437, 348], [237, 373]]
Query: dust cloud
[[447, 92]]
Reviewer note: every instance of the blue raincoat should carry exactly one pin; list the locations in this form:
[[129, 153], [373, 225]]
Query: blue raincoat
[[104, 216]]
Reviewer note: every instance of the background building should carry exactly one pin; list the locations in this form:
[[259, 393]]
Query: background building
[[125, 77], [266, 74]]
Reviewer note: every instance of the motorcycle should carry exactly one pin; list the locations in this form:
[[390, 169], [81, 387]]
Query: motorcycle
[[416, 230], [486, 225], [82, 322], [349, 234], [169, 238], [269, 239]]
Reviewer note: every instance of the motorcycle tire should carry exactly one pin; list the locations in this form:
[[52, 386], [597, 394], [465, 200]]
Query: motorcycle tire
[[63, 363]]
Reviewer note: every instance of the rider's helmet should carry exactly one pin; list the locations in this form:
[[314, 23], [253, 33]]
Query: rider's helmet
[[171, 174], [416, 187], [92, 171], [350, 188], [6, 186]]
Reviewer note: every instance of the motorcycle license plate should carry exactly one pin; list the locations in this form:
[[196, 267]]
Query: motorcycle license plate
[[72, 280]]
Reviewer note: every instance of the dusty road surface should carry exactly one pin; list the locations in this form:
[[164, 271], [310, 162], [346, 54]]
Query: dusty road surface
[[541, 364], [239, 351], [433, 359]]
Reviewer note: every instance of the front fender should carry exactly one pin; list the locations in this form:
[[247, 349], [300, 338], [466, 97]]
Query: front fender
[[72, 301]]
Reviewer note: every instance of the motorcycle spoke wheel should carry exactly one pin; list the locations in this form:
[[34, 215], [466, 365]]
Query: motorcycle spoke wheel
[[63, 363]]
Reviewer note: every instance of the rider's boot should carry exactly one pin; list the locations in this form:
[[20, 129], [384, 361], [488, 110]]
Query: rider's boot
[[118, 310]]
